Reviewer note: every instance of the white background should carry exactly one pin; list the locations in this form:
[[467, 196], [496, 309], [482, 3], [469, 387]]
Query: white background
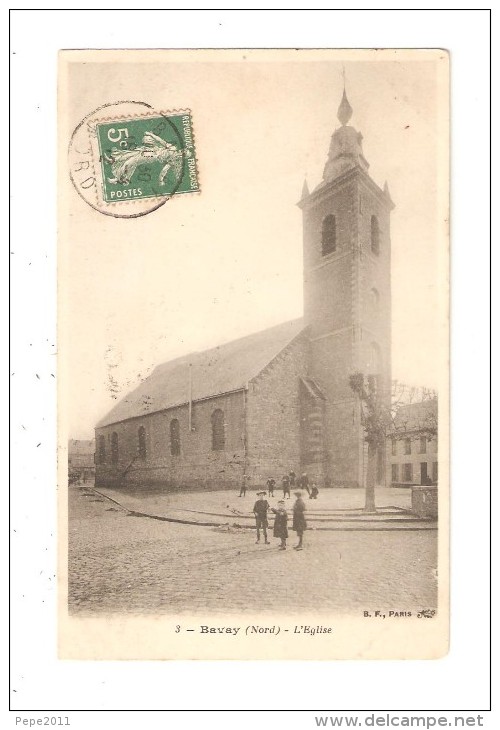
[[41, 682]]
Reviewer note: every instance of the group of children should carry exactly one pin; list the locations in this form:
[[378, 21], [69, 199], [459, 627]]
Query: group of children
[[262, 507], [280, 528], [288, 482]]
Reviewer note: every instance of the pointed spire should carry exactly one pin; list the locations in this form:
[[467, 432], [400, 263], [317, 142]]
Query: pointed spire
[[305, 190], [344, 112]]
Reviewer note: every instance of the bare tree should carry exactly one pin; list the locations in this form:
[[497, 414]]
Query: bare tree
[[374, 421], [382, 417]]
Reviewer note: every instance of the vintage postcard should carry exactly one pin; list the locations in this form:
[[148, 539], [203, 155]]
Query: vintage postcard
[[253, 354]]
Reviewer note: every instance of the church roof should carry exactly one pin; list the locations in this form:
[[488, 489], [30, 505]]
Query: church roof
[[222, 369]]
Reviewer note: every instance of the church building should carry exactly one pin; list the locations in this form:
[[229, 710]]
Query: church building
[[280, 399]]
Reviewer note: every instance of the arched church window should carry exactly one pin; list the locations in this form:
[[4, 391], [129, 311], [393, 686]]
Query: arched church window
[[175, 437], [375, 235], [114, 448], [218, 436], [141, 434], [329, 235], [101, 450]]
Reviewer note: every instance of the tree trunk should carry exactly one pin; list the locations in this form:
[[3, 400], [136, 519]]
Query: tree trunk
[[371, 470]]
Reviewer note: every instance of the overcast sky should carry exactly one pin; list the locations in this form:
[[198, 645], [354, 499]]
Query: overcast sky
[[210, 267]]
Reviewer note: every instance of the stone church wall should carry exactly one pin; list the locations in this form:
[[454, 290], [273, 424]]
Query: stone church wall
[[197, 466], [328, 279], [330, 286], [347, 305], [342, 428], [273, 415], [375, 285]]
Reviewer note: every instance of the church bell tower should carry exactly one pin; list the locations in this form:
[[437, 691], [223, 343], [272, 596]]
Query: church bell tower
[[347, 295]]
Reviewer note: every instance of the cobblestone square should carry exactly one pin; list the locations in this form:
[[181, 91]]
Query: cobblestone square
[[124, 564]]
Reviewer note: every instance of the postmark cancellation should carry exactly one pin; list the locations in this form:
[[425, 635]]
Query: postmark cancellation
[[128, 164]]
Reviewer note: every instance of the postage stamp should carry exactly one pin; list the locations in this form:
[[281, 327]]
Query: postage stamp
[[147, 157], [127, 159]]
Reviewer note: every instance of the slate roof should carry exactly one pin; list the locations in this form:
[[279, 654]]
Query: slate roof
[[419, 416], [222, 369]]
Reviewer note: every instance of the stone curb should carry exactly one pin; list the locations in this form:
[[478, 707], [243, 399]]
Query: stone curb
[[427, 524]]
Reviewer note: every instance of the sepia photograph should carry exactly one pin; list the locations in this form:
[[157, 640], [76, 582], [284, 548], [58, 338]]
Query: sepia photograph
[[253, 354]]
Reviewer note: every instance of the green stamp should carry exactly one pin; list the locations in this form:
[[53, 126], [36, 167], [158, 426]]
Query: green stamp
[[147, 157]]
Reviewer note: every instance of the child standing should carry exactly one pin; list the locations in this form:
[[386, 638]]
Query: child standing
[[244, 483], [260, 511], [270, 486], [299, 520], [280, 528]]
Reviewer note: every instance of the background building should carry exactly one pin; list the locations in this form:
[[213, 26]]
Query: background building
[[81, 464], [412, 446], [279, 399]]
